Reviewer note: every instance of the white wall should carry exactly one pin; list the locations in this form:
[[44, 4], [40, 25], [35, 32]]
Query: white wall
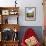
[[27, 3]]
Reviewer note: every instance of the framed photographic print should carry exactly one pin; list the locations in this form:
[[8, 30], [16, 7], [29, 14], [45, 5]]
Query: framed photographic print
[[30, 13], [5, 12]]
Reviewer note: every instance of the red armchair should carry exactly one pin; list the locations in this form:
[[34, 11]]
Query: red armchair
[[29, 33]]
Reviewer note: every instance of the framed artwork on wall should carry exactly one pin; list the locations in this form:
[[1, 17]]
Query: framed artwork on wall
[[30, 13]]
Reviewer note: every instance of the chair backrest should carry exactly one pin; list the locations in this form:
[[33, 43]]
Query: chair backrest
[[29, 32]]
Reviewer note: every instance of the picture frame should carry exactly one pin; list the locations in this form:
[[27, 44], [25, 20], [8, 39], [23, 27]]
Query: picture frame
[[5, 12], [30, 13]]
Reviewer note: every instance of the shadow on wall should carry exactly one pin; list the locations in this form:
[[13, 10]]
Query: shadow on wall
[[37, 29]]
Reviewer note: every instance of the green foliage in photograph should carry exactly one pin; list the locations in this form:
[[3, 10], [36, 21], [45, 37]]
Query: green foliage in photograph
[[30, 14]]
